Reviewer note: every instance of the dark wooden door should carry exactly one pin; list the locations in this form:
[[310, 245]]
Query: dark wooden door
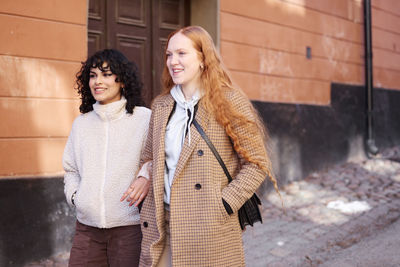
[[139, 29]]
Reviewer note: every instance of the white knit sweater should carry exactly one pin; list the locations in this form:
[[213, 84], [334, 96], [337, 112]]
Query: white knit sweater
[[100, 160]]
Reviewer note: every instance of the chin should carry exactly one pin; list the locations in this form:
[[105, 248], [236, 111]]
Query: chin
[[177, 81]]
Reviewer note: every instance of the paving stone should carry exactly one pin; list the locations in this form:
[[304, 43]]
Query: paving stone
[[315, 233], [279, 252]]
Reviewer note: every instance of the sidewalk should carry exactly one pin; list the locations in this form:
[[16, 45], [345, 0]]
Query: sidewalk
[[328, 211]]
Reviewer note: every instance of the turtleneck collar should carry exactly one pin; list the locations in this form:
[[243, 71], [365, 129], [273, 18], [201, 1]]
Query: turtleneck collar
[[112, 111]]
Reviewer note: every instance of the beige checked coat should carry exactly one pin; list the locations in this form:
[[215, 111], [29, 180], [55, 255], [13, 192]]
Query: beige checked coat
[[202, 232]]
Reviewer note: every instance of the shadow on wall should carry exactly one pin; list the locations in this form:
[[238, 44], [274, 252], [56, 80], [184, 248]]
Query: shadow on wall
[[35, 220], [306, 138]]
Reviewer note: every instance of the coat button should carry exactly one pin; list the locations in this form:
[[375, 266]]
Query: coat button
[[200, 152], [145, 224], [197, 186]]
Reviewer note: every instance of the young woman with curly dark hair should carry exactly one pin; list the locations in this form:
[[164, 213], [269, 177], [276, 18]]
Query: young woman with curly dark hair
[[101, 156], [125, 70]]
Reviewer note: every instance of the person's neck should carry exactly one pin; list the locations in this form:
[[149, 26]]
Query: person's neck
[[189, 92]]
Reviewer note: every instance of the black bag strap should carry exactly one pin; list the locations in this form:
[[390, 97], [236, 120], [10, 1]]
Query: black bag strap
[[213, 149]]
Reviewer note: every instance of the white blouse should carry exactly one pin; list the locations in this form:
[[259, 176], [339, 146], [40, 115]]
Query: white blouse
[[175, 135]]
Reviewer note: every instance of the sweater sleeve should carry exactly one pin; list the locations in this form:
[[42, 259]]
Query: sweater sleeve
[[71, 176]]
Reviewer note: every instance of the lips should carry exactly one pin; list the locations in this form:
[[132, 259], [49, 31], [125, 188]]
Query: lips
[[99, 90], [176, 71]]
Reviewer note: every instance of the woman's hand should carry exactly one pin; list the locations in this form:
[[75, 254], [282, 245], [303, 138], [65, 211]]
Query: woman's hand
[[137, 191]]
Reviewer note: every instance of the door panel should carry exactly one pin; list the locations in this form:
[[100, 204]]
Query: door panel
[[139, 29], [131, 12], [130, 32], [170, 14], [167, 17], [97, 26]]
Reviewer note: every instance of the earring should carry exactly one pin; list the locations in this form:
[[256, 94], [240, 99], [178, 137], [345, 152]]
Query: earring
[[123, 90], [201, 66]]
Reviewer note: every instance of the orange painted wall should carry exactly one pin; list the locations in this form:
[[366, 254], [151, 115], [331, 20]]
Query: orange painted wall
[[43, 43], [263, 44]]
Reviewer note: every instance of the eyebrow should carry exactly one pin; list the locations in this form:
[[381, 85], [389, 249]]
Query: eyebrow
[[179, 49], [104, 70]]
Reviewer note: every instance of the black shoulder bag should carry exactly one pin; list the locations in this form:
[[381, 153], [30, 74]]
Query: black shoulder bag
[[249, 213]]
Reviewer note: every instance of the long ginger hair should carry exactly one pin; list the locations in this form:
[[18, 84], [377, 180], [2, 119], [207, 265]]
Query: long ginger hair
[[215, 81]]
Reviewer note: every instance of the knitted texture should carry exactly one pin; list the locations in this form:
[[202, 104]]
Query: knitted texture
[[100, 160]]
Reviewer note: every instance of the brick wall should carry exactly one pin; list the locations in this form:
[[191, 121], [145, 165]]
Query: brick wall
[[43, 42], [264, 44]]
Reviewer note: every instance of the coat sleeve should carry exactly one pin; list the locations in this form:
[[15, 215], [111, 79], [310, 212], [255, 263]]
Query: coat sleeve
[[145, 166], [147, 151], [250, 176], [71, 176]]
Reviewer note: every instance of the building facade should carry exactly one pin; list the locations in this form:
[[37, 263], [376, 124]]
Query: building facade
[[302, 63]]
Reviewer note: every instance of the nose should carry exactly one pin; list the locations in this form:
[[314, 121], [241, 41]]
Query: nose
[[173, 60], [98, 79]]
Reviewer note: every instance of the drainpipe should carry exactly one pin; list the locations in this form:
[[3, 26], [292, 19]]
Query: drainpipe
[[371, 148]]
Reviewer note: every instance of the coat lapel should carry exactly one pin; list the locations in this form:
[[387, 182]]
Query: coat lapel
[[163, 113], [202, 119]]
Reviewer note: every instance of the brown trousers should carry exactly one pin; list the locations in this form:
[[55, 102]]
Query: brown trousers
[[113, 247]]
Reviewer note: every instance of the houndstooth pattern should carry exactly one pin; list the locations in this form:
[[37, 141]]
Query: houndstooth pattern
[[202, 233]]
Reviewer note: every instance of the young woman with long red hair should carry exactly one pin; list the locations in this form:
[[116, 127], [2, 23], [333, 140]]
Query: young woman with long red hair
[[189, 217]]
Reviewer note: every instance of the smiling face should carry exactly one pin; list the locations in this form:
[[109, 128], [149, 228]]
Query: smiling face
[[103, 85], [183, 62]]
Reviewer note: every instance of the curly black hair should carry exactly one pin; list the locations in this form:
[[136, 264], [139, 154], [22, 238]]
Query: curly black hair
[[126, 71]]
